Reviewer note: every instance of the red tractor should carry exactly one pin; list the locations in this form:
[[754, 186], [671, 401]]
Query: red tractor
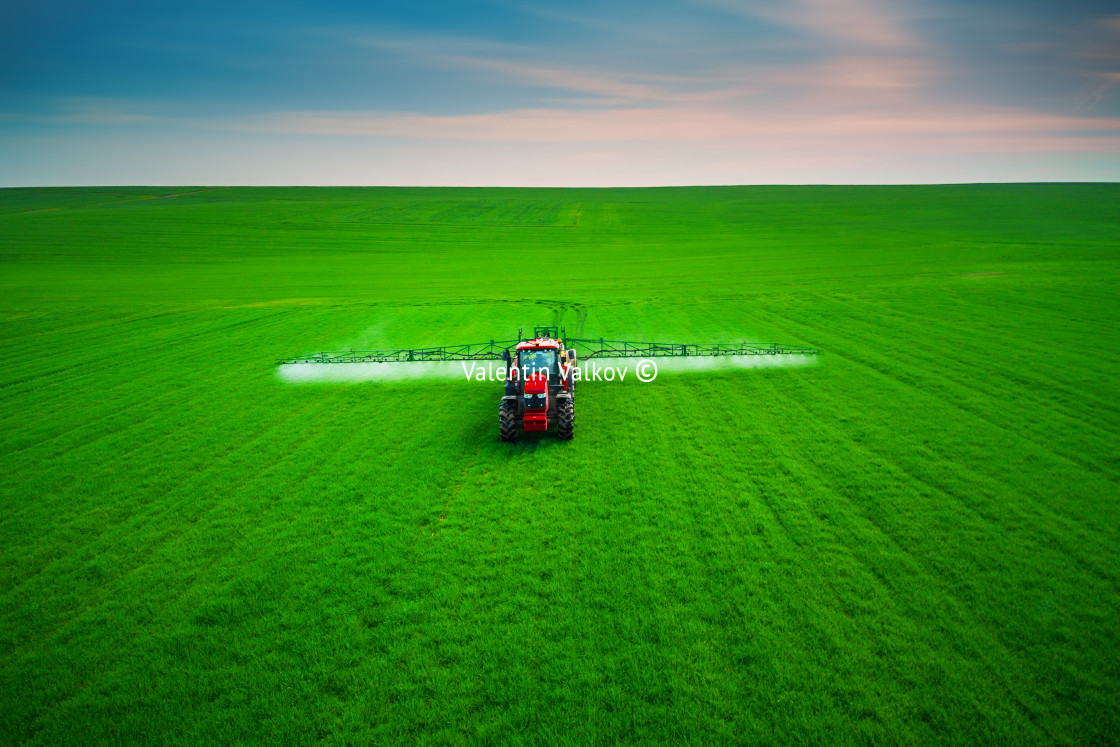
[[540, 388]]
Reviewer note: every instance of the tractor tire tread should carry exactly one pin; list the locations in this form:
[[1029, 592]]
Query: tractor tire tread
[[566, 420], [507, 424]]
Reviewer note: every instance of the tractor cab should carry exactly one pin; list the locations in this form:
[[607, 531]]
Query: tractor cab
[[540, 355], [543, 360]]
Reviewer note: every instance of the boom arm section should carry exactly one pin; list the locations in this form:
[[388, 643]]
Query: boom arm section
[[480, 351], [585, 348], [625, 349]]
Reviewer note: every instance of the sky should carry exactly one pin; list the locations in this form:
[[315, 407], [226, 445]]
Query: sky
[[574, 93]]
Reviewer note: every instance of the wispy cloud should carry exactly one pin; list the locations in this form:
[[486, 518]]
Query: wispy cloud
[[86, 110], [1108, 82], [585, 85], [1104, 47], [864, 24]]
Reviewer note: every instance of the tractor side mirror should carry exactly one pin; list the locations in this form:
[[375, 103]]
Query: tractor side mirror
[[572, 355]]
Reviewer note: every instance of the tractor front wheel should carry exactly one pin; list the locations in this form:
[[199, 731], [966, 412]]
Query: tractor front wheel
[[507, 422], [565, 419]]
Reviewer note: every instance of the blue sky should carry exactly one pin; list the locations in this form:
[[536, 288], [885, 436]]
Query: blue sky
[[513, 92]]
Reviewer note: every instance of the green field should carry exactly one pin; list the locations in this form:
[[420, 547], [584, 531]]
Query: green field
[[915, 540]]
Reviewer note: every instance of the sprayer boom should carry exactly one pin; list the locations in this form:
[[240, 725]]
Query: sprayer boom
[[540, 373], [585, 348]]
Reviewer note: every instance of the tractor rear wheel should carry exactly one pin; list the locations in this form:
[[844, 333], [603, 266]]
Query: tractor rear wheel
[[507, 422], [565, 419]]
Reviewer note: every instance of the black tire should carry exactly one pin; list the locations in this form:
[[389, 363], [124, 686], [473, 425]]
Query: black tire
[[507, 422], [565, 419]]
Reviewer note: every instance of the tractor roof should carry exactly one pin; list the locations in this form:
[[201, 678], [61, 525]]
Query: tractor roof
[[539, 342]]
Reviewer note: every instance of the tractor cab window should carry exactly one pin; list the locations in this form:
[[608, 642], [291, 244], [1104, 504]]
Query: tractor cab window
[[535, 401], [539, 360]]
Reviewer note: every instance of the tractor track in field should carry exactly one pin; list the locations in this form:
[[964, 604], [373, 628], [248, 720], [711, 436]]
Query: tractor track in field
[[969, 342], [140, 561], [117, 357], [455, 490], [110, 324], [931, 573], [1092, 425], [964, 384], [164, 509], [144, 198], [1060, 455], [845, 529], [149, 423], [1045, 509], [167, 393], [1028, 435], [925, 568], [983, 515]]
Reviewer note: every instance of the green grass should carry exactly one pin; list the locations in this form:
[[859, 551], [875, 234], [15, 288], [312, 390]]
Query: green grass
[[916, 540]]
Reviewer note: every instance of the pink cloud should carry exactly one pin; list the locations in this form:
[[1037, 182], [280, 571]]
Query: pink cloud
[[689, 124]]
